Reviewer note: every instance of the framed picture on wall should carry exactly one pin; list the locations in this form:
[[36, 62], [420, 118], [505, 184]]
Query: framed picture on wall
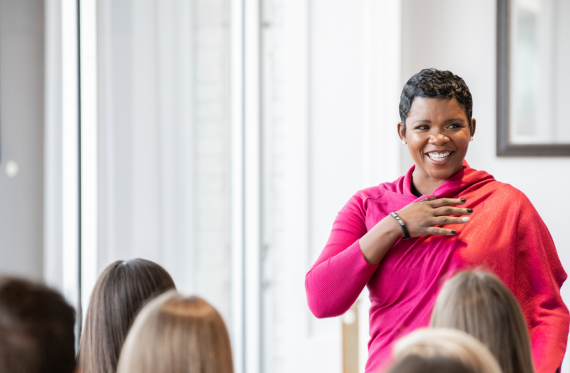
[[533, 77]]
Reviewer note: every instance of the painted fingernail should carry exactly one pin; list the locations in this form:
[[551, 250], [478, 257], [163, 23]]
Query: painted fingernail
[[465, 219], [463, 200], [469, 211], [453, 231]]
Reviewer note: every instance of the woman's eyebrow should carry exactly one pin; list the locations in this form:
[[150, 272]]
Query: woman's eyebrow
[[447, 120]]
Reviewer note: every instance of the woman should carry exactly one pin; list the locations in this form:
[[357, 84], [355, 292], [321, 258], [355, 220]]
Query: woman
[[455, 218], [120, 292], [442, 350], [174, 334], [479, 304]]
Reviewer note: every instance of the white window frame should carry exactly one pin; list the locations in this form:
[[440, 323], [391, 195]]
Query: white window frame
[[246, 185], [88, 147]]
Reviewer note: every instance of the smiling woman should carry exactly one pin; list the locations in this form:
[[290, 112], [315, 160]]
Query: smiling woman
[[438, 138], [438, 106], [402, 239]]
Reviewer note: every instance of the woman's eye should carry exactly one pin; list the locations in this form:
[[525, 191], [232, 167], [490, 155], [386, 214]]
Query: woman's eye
[[422, 127], [454, 126]]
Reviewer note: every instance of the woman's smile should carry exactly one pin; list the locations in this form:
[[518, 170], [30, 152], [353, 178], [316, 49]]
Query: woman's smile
[[439, 157]]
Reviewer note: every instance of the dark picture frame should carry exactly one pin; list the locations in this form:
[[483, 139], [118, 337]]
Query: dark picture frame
[[504, 147]]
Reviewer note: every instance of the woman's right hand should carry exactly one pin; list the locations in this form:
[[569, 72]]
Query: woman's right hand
[[422, 217]]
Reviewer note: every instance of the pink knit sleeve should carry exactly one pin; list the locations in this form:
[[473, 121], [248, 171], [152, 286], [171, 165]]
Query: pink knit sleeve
[[337, 278]]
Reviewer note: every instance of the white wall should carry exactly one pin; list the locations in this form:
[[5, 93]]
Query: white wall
[[330, 96], [309, 126], [21, 137], [461, 36]]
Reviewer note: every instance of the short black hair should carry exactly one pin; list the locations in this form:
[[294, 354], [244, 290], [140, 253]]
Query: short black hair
[[36, 329], [434, 83]]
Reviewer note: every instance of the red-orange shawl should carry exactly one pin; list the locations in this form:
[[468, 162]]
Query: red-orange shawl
[[505, 234]]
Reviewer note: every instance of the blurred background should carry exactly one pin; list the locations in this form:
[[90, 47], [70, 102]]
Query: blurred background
[[219, 138]]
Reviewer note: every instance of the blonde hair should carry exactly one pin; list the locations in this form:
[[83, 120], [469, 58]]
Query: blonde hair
[[447, 343], [174, 334], [482, 306]]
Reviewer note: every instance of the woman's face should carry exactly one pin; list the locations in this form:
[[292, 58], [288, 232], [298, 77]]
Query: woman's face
[[438, 135]]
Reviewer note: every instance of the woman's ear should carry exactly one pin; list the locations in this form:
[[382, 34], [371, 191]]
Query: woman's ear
[[401, 131], [473, 126]]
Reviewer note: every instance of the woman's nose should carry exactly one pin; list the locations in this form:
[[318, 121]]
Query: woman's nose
[[438, 139]]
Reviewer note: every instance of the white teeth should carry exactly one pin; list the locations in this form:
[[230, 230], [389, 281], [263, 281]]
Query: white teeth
[[438, 156]]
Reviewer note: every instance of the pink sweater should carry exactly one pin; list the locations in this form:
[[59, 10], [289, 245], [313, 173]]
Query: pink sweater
[[505, 235]]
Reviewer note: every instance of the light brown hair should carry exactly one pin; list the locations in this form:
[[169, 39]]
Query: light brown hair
[[480, 304], [434, 343], [174, 334], [36, 329], [119, 294]]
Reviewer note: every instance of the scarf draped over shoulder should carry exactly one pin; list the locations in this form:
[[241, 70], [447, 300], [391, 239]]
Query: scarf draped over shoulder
[[504, 235]]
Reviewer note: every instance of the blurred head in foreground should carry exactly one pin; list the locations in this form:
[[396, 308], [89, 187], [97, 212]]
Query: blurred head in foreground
[[434, 364], [442, 350], [119, 294], [176, 334], [36, 329], [482, 306]]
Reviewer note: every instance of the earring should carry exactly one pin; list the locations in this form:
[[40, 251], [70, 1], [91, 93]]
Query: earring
[[404, 142], [471, 139]]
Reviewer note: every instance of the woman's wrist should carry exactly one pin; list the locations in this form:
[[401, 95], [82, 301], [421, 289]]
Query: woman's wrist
[[376, 243], [391, 228], [402, 225]]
